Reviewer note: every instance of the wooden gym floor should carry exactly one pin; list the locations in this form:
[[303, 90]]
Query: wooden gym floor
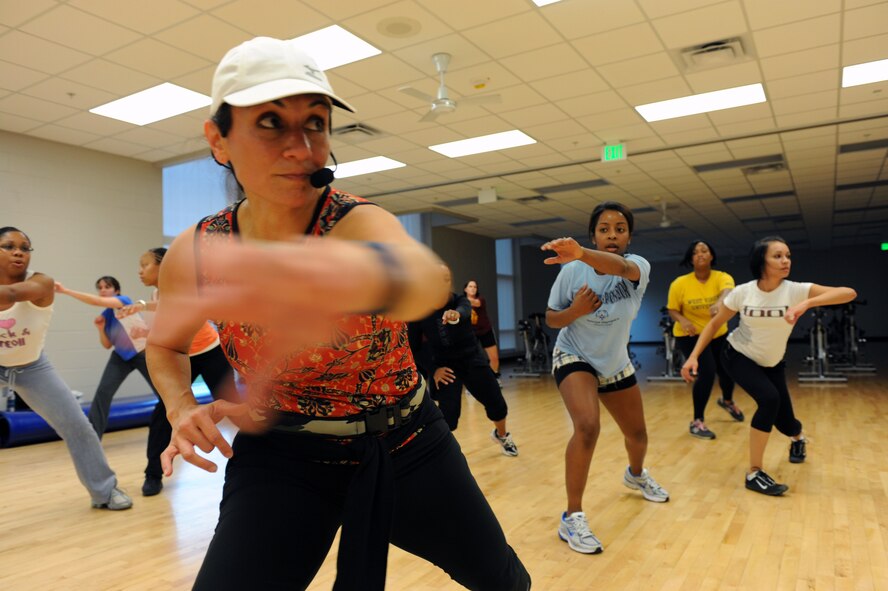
[[830, 531]]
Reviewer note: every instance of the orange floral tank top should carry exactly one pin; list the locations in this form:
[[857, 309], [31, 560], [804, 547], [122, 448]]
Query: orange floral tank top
[[368, 365]]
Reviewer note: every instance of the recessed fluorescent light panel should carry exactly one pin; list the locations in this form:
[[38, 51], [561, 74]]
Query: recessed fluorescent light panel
[[339, 47], [866, 73], [484, 143], [153, 104], [545, 2], [366, 166], [703, 103]]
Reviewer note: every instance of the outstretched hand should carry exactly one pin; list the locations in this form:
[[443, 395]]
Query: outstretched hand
[[565, 249], [196, 427]]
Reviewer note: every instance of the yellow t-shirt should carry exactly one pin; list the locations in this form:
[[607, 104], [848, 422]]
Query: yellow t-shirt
[[692, 299]]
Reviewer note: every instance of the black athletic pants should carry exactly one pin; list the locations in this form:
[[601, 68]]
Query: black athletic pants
[[710, 364]]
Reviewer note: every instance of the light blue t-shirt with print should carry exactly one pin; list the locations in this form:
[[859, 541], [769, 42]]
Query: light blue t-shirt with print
[[600, 338]]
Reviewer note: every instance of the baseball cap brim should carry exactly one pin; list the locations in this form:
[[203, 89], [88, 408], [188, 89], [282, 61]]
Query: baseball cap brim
[[278, 89]]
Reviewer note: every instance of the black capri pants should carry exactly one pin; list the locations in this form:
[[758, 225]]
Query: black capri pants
[[711, 363], [480, 381], [767, 386]]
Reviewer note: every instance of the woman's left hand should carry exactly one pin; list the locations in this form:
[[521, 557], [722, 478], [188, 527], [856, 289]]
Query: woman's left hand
[[565, 249]]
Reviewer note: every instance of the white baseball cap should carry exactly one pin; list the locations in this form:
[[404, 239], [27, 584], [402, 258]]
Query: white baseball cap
[[265, 69]]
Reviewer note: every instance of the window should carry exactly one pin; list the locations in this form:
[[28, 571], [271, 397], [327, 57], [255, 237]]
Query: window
[[505, 294], [192, 190]]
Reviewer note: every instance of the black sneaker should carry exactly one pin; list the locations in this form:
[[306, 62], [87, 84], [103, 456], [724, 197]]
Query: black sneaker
[[732, 409], [764, 484], [797, 451], [152, 486]]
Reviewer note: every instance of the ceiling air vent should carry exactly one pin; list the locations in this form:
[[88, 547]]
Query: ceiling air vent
[[533, 198], [764, 168], [714, 54], [356, 131]]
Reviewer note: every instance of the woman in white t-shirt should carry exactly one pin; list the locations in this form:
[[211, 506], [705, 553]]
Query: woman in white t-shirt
[[593, 301], [769, 307]]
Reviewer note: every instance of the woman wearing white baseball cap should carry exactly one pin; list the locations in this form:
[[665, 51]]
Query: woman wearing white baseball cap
[[337, 429]]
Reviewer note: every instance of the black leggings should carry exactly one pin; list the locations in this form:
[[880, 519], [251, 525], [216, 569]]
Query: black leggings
[[767, 386], [480, 381], [710, 364], [280, 512]]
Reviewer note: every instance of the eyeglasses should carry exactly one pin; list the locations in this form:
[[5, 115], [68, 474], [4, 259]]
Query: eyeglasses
[[11, 248]]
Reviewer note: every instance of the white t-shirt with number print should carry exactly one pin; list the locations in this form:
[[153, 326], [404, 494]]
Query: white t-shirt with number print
[[763, 330]]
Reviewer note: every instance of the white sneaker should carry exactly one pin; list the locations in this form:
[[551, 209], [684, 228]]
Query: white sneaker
[[647, 485], [509, 447], [574, 529]]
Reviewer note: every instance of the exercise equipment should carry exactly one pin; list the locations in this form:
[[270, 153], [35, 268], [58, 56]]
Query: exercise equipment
[[674, 357], [537, 358], [21, 427], [818, 358], [849, 357]]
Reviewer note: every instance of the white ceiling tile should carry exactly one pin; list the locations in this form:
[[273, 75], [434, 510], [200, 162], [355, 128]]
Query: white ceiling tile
[[610, 119], [801, 62], [579, 19], [367, 25], [804, 84], [703, 25], [725, 77], [570, 85], [877, 107], [64, 135], [517, 97], [464, 14], [763, 14], [480, 126], [202, 81], [810, 102], [493, 75], [658, 8], [18, 124], [592, 103], [638, 70], [34, 107], [863, 93], [112, 78], [373, 105], [824, 30], [86, 121], [13, 77], [738, 114], [379, 72], [543, 63], [868, 49], [680, 124], [865, 22], [611, 46], [536, 115], [69, 93], [151, 138], [746, 127], [625, 133], [498, 38], [80, 30], [291, 18], [157, 59], [38, 54], [690, 137], [182, 126], [146, 17], [659, 90], [15, 12], [205, 36], [463, 53], [155, 155]]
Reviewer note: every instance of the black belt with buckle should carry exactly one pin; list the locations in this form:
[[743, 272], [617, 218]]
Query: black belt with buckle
[[379, 420]]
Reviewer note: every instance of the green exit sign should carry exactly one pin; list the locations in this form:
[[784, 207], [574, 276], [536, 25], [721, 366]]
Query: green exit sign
[[885, 246], [613, 152]]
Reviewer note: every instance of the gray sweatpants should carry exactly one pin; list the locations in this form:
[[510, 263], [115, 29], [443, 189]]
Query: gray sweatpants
[[43, 389]]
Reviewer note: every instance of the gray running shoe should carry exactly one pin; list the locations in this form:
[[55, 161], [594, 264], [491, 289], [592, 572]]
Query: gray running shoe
[[647, 485], [574, 529], [118, 501]]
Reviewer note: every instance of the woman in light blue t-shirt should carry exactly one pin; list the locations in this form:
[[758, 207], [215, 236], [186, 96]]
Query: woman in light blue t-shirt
[[593, 301]]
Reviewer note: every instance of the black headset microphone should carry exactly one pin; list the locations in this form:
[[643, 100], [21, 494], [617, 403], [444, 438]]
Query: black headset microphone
[[323, 176]]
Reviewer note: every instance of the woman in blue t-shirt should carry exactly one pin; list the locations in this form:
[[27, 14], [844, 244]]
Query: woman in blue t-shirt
[[593, 301], [126, 336]]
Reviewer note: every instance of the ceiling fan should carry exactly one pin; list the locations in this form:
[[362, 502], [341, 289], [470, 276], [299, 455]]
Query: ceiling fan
[[443, 104], [665, 222]]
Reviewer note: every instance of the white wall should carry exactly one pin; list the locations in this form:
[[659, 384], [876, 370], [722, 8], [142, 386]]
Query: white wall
[[88, 214]]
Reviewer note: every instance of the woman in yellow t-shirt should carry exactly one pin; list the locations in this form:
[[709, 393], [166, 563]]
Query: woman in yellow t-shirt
[[694, 298]]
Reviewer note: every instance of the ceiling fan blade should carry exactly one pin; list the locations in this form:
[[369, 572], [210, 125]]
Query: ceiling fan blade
[[481, 99], [409, 90], [430, 116]]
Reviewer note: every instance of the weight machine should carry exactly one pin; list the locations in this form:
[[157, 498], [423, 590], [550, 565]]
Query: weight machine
[[674, 357], [818, 359], [537, 358], [849, 357]]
